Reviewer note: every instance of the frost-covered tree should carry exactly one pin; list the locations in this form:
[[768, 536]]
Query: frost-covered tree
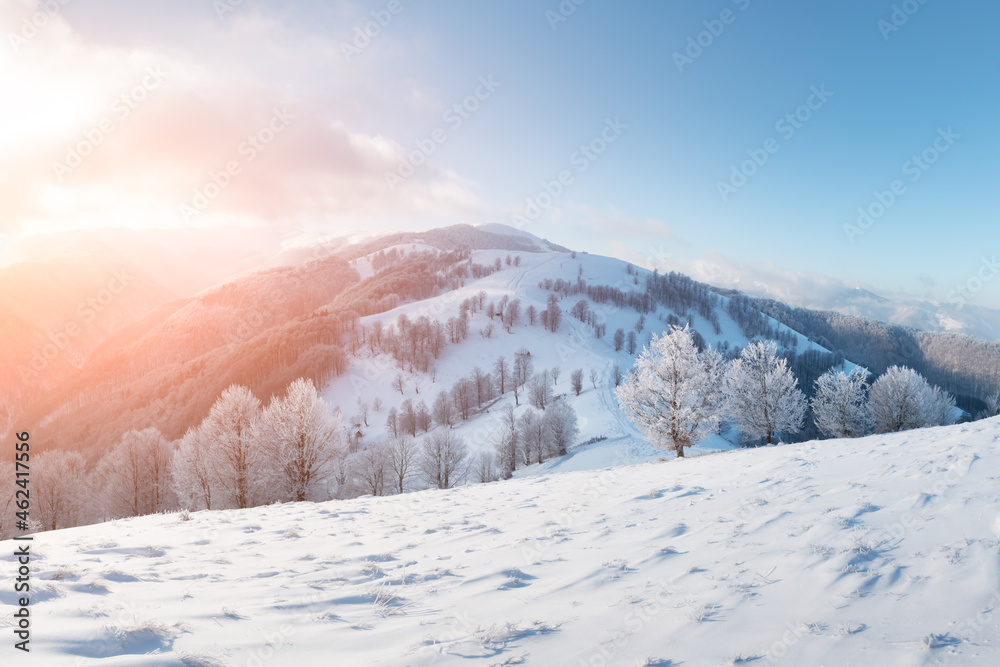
[[941, 406], [133, 478], [901, 399], [672, 393], [58, 489], [442, 459], [237, 463], [560, 421], [303, 440], [192, 475], [762, 395], [540, 390], [839, 406], [992, 408]]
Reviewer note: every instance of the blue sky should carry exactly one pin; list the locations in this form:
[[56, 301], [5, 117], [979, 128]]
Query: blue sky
[[652, 196]]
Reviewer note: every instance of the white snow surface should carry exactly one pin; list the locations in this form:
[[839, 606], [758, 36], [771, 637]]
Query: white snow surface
[[876, 551]]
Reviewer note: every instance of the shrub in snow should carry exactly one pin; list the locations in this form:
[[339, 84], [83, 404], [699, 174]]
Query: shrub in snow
[[672, 392]]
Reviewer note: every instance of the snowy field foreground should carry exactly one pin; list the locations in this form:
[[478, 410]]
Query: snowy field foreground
[[877, 551]]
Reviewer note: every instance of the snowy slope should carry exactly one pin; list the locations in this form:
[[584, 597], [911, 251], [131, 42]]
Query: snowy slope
[[573, 347], [877, 551]]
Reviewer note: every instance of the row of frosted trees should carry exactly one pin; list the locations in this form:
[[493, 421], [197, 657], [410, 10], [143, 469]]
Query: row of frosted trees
[[242, 454], [678, 395]]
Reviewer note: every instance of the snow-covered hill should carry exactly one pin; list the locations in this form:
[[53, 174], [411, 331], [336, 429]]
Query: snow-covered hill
[[882, 550], [574, 346]]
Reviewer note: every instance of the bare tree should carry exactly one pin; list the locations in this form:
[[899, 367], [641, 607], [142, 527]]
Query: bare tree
[[619, 339], [552, 314], [501, 373], [532, 313], [631, 344], [442, 460], [594, 376], [408, 418], [392, 422], [401, 456], [533, 435], [555, 375], [423, 417], [481, 381], [616, 375], [560, 422], [505, 441], [444, 413], [521, 372], [486, 467], [377, 404], [370, 469], [512, 314], [576, 381], [399, 383], [462, 394]]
